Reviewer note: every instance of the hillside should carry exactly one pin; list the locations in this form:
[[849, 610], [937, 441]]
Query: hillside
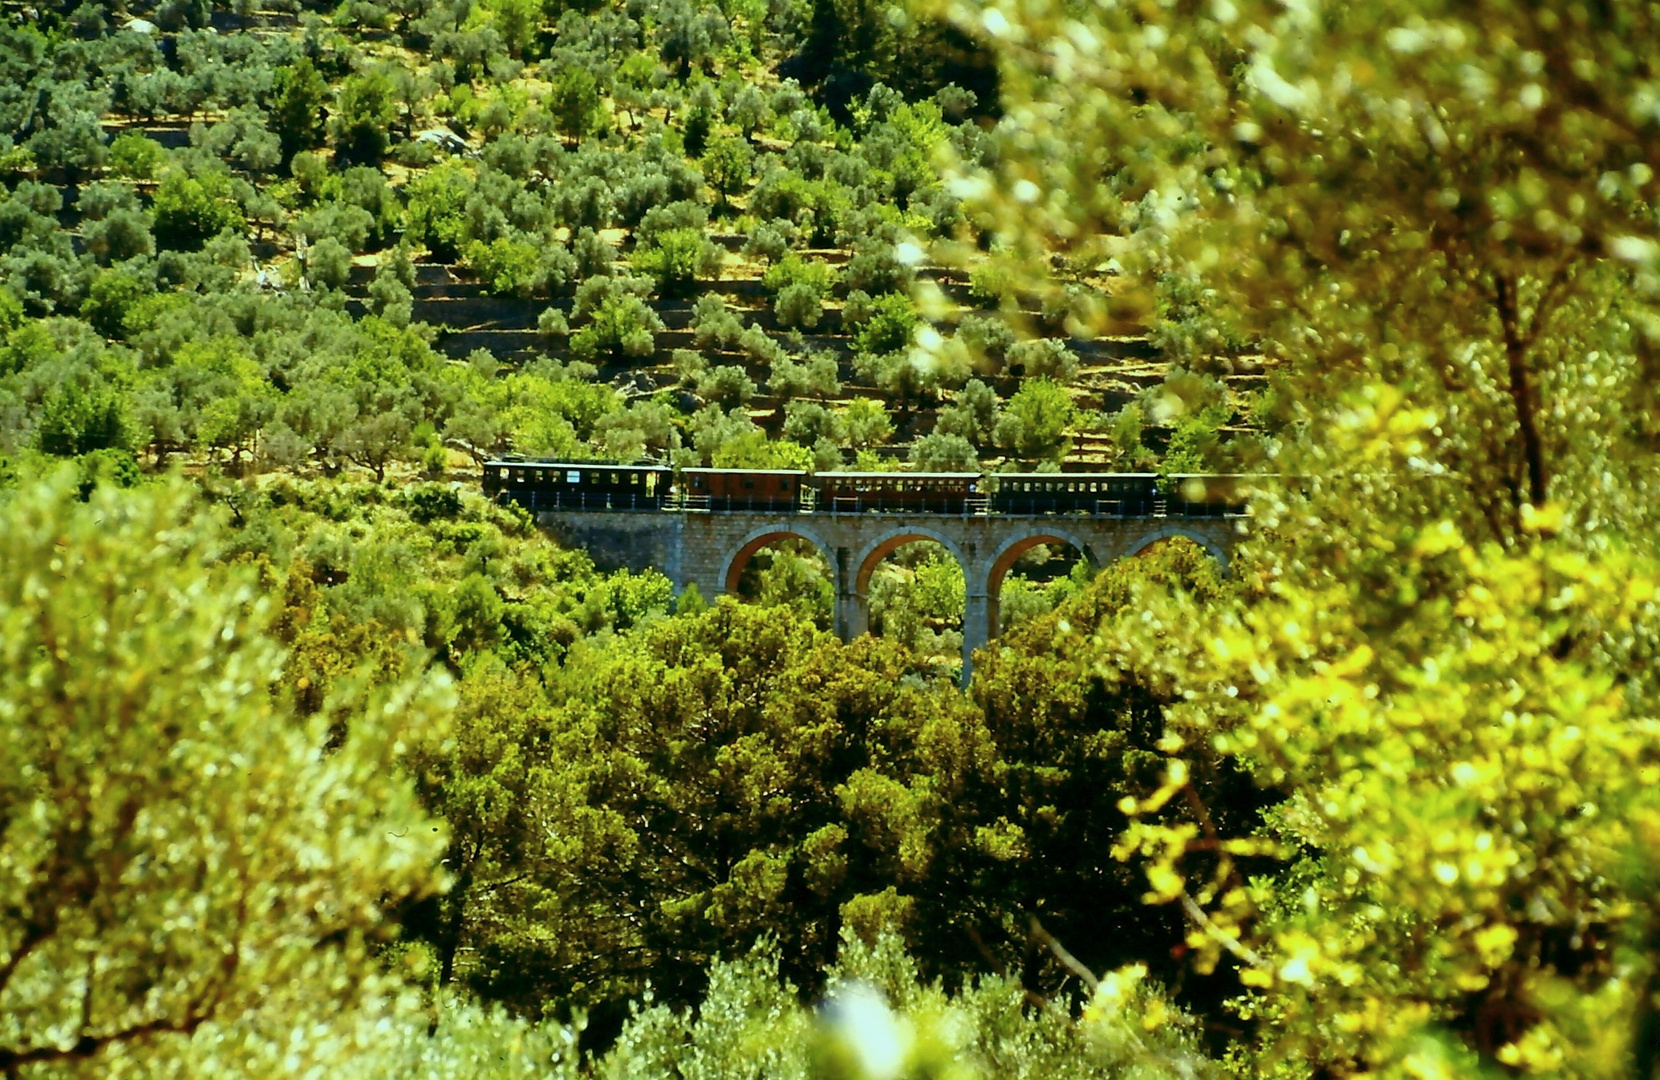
[[671, 233]]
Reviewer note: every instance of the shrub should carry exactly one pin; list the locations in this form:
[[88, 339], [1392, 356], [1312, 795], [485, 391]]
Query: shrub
[[940, 452], [1044, 358], [753, 450], [136, 156], [875, 268], [888, 328], [676, 258], [1035, 421], [349, 224], [683, 214], [189, 210], [621, 326], [713, 326], [729, 164], [792, 269], [771, 241], [328, 264], [506, 266], [759, 346], [799, 305], [574, 102], [551, 323], [727, 386], [122, 235], [815, 377]]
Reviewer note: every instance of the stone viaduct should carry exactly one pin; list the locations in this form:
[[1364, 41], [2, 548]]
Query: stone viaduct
[[710, 550]]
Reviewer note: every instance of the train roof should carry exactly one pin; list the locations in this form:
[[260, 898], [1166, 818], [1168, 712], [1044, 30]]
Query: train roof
[[555, 463], [904, 475], [746, 472], [1075, 475]]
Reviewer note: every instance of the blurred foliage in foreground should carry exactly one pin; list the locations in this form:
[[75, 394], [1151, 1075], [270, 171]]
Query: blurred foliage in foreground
[[1382, 802], [1440, 217]]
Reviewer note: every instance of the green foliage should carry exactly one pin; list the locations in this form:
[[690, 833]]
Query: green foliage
[[753, 450], [865, 423], [941, 452], [793, 270], [621, 326], [79, 418], [916, 600], [816, 376], [888, 327], [727, 386], [191, 210], [1435, 662], [1035, 422], [729, 163], [136, 156], [192, 869], [111, 295], [675, 725], [545, 412], [436, 202], [574, 102], [360, 125], [883, 1018], [676, 258], [328, 263], [121, 235], [973, 415], [506, 266], [1043, 358]]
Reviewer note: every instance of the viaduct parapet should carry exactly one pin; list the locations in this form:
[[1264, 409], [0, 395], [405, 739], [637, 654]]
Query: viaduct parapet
[[710, 550]]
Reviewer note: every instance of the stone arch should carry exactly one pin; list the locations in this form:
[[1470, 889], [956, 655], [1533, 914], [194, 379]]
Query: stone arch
[[1008, 553], [762, 536], [1013, 548], [873, 554], [1168, 532]]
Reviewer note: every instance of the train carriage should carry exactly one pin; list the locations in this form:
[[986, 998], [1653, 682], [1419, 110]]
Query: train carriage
[[745, 489], [865, 492], [544, 484], [1116, 494], [547, 484], [1207, 495]]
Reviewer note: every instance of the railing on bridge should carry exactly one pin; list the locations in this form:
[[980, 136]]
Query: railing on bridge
[[549, 487]]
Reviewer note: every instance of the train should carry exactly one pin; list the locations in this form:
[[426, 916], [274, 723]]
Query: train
[[540, 484]]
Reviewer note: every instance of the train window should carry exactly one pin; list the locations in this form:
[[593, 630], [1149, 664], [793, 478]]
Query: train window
[[634, 478], [519, 476], [573, 477], [615, 479]]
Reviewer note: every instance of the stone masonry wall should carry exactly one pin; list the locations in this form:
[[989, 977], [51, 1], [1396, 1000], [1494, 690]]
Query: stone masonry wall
[[709, 550]]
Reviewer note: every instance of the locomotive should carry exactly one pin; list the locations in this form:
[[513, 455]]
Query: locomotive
[[545, 484]]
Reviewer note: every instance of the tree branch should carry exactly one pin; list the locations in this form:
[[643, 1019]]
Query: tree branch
[[1521, 387]]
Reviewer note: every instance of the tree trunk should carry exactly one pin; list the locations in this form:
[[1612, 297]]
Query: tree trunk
[[1521, 388]]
